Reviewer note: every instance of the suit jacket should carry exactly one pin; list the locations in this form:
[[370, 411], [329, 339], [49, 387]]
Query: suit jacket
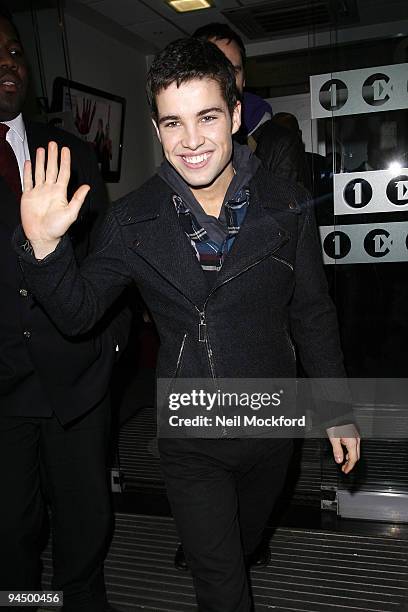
[[270, 295], [41, 369]]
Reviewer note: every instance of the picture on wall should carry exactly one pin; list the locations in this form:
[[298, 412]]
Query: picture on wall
[[94, 116]]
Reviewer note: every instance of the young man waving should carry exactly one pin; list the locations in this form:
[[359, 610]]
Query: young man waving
[[228, 261]]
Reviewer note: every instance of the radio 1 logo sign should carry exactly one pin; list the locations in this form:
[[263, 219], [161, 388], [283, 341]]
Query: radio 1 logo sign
[[366, 90], [365, 243], [375, 191]]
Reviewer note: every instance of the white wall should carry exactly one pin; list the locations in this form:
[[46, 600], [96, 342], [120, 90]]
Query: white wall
[[104, 63]]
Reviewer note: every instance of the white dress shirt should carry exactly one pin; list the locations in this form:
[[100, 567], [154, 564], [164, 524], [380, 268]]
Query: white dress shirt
[[17, 138]]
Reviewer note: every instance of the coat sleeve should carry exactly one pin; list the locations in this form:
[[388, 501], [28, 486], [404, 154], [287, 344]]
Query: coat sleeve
[[314, 327], [118, 320], [76, 298]]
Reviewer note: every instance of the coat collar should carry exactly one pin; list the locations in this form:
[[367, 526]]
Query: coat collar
[[159, 239], [37, 137]]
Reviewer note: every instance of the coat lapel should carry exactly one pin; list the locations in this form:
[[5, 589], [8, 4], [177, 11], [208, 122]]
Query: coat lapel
[[33, 142], [37, 136], [9, 206], [260, 235], [161, 241]]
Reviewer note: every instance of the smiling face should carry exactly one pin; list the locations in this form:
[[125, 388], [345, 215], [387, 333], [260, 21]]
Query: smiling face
[[195, 128], [13, 72]]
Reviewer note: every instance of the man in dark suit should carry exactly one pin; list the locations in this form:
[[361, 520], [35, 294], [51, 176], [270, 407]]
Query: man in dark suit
[[54, 405]]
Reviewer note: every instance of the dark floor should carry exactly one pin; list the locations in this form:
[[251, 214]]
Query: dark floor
[[311, 570]]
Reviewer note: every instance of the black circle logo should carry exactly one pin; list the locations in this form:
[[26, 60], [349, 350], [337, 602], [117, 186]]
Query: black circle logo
[[397, 190], [358, 193], [377, 243], [337, 245], [333, 95], [377, 89]]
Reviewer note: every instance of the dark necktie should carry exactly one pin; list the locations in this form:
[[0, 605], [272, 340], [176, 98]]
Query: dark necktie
[[8, 163]]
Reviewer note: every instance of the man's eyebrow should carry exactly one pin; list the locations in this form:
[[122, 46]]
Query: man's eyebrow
[[201, 113], [213, 109], [168, 118]]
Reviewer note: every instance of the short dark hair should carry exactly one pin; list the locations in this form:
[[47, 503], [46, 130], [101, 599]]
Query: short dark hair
[[187, 59], [287, 120], [6, 14], [221, 31]]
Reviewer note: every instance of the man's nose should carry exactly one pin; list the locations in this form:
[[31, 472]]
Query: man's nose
[[192, 138]]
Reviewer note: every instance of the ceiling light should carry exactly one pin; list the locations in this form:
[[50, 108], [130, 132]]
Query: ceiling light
[[183, 6]]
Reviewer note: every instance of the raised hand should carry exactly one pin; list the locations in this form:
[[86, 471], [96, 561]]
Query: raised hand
[[46, 213]]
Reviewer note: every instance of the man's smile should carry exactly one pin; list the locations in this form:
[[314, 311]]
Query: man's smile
[[196, 161], [10, 82]]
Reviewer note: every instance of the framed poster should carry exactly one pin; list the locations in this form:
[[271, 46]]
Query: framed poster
[[97, 117]]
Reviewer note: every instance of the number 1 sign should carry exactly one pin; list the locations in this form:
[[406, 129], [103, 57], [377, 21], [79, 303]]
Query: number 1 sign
[[371, 192]]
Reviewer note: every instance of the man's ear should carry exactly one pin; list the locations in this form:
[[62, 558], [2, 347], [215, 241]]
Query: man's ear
[[236, 118], [157, 129]]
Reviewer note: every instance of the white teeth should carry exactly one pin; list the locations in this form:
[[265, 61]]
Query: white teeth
[[196, 159], [8, 83]]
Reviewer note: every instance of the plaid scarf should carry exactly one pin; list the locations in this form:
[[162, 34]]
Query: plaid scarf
[[209, 253]]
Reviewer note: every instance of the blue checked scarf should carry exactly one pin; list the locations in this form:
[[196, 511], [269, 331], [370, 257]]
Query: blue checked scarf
[[212, 238], [211, 254]]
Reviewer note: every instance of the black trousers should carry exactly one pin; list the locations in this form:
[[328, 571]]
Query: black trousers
[[40, 462], [221, 493]]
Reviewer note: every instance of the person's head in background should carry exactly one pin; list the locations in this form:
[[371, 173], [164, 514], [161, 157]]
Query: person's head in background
[[13, 68], [288, 121], [230, 43]]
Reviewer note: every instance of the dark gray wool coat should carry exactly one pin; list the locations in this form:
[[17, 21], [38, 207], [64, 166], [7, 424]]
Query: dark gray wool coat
[[270, 295]]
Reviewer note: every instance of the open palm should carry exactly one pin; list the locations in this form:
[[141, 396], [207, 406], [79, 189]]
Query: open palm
[[46, 213]]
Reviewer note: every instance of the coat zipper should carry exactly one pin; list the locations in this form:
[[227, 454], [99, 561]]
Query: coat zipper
[[291, 346], [202, 326], [180, 356]]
